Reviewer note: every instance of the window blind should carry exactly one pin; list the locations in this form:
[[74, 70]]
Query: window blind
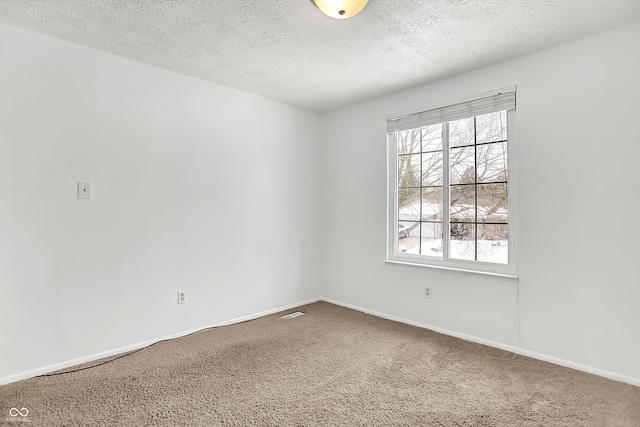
[[503, 100]]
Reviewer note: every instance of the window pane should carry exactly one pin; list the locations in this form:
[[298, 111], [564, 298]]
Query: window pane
[[408, 237], [409, 171], [493, 243], [491, 127], [492, 203], [432, 204], [461, 132], [409, 204], [432, 137], [463, 241], [431, 239], [462, 202], [408, 141], [462, 165], [469, 156], [492, 162], [432, 169]]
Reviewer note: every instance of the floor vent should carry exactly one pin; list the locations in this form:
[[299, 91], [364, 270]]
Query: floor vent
[[293, 315]]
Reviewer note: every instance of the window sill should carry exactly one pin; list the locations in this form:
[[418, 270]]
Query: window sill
[[464, 270]]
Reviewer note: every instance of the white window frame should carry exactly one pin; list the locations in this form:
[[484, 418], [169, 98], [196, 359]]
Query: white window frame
[[393, 255]]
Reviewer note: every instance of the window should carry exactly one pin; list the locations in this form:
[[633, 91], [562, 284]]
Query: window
[[451, 186]]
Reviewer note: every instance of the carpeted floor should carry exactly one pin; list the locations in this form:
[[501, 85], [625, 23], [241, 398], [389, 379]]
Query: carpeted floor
[[332, 367]]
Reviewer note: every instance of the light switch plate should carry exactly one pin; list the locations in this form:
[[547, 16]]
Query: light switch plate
[[84, 189]]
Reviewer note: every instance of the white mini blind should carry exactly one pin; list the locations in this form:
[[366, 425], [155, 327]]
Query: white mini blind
[[503, 100]]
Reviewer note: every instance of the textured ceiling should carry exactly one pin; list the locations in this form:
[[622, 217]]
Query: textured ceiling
[[288, 50]]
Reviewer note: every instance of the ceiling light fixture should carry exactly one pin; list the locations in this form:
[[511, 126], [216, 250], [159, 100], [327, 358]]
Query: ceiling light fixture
[[340, 9]]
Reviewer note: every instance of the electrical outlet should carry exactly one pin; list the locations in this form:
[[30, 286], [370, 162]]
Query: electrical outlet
[[182, 297], [428, 291]]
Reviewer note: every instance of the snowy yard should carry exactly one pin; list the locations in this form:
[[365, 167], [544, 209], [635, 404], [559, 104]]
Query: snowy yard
[[496, 251]]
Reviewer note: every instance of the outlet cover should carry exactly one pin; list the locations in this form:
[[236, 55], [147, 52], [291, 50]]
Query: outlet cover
[[428, 291], [182, 297]]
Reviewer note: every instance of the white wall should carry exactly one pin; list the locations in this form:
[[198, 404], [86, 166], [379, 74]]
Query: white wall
[[578, 136], [196, 187]]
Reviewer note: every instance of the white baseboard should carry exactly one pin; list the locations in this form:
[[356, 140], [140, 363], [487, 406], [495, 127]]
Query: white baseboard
[[557, 361], [545, 358], [120, 350]]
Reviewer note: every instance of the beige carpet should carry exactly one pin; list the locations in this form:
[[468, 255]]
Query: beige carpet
[[332, 367]]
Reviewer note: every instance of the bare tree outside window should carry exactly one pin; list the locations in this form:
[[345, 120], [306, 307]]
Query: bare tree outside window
[[474, 185]]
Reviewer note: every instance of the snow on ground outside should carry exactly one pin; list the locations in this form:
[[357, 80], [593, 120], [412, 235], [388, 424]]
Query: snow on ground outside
[[496, 251]]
